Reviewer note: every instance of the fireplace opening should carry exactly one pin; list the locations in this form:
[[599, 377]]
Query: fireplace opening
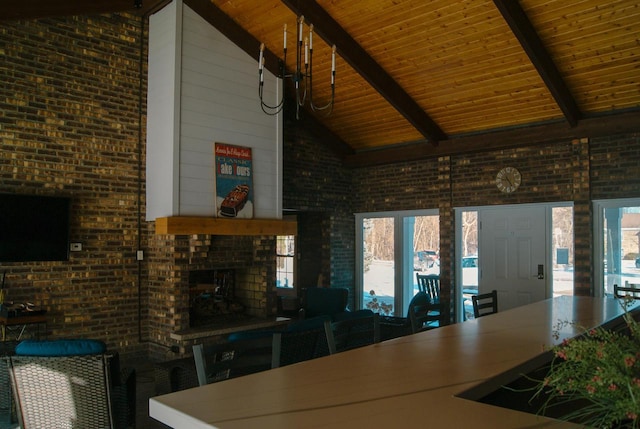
[[212, 299]]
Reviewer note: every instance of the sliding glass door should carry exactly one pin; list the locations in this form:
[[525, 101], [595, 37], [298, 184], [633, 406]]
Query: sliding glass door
[[391, 249], [617, 243], [378, 273]]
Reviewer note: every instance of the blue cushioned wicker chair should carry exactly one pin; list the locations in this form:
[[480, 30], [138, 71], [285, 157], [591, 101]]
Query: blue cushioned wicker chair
[[71, 384]]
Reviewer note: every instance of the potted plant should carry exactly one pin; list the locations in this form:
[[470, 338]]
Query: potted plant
[[595, 378]]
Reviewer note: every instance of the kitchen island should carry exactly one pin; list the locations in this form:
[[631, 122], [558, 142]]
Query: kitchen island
[[411, 381]]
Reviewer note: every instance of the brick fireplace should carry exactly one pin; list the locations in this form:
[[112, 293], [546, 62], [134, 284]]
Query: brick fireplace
[[176, 262], [212, 298]]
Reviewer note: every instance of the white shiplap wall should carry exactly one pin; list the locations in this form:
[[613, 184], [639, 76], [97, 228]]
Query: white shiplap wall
[[216, 100], [163, 107]]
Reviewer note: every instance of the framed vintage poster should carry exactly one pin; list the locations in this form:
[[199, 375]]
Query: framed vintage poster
[[234, 183]]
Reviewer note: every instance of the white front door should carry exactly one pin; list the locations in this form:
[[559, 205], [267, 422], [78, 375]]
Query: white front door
[[512, 254]]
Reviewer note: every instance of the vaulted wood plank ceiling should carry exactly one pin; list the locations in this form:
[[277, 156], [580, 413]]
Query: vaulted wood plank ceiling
[[421, 78]]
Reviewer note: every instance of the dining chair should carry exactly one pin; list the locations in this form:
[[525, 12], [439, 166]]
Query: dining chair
[[352, 330], [394, 327], [299, 340], [629, 290], [485, 303], [217, 362], [423, 313], [429, 284], [254, 351], [302, 340]]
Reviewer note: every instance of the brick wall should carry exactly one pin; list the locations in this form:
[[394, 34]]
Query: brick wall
[[71, 126], [615, 167], [578, 171], [319, 189]]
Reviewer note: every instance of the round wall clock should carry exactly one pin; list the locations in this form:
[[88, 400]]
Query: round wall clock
[[508, 179]]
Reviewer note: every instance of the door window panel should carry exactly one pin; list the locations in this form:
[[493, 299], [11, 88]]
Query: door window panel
[[378, 289], [469, 263], [562, 250]]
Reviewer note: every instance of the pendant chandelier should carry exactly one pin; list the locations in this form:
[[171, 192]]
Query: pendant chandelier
[[302, 76]]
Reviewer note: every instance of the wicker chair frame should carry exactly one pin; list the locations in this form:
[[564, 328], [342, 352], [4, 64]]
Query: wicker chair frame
[[67, 392]]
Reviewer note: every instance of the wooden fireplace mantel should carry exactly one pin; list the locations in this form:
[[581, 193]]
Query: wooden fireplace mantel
[[187, 225]]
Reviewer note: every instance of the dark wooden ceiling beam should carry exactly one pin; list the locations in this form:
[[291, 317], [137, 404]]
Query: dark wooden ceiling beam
[[597, 126], [522, 28], [327, 28]]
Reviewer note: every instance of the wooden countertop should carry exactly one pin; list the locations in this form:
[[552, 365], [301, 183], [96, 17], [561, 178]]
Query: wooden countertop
[[408, 381]]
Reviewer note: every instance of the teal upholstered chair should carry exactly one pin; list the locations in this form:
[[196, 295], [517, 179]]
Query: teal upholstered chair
[[318, 301]]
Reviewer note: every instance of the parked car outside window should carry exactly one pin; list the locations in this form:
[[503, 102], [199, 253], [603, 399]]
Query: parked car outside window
[[470, 261], [425, 259]]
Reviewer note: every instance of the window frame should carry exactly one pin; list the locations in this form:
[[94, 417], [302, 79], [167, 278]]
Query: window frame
[[598, 207], [283, 290]]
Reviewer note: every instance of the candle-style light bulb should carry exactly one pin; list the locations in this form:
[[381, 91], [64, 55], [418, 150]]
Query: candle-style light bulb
[[285, 37], [311, 37], [333, 64], [306, 51], [260, 60], [300, 22]]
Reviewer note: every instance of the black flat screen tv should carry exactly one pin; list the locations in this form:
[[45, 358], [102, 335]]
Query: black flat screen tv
[[34, 228]]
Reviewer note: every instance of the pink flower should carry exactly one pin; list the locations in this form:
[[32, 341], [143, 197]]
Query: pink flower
[[613, 387], [591, 389], [631, 415], [629, 361], [561, 354]]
